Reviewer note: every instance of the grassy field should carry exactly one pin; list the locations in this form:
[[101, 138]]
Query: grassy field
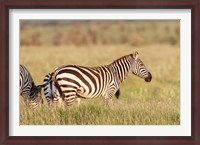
[[140, 103]]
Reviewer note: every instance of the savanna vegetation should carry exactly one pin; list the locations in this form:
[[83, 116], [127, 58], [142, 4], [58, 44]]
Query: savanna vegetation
[[46, 45]]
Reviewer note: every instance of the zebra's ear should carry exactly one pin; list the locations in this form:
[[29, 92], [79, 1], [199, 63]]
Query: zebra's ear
[[136, 55]]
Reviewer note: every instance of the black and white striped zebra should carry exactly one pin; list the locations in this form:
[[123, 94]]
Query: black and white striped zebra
[[74, 81], [28, 90], [52, 95], [50, 91]]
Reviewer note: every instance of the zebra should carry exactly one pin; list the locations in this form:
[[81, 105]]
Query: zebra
[[74, 81], [28, 90], [52, 94], [50, 91]]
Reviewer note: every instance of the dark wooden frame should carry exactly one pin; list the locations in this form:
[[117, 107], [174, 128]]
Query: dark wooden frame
[[6, 5]]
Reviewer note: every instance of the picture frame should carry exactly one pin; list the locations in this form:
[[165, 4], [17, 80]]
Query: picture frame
[[6, 6]]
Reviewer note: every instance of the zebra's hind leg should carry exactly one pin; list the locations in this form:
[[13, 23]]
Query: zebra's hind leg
[[57, 101], [70, 99], [78, 100], [108, 101]]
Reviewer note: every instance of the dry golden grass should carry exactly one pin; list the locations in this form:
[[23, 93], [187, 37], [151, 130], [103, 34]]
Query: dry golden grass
[[140, 103]]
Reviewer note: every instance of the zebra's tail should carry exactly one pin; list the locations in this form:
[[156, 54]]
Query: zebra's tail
[[117, 94], [46, 82]]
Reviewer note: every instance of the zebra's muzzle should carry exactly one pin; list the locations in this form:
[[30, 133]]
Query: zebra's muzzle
[[149, 78]]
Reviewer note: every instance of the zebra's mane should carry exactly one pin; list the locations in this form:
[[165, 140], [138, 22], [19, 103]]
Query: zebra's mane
[[96, 67], [123, 57]]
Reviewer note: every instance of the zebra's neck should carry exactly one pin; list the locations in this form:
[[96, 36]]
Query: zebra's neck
[[121, 68]]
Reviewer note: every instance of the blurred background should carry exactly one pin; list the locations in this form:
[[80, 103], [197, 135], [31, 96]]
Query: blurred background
[[80, 32], [48, 44]]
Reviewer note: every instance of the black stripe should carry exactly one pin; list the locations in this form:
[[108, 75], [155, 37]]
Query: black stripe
[[101, 84], [99, 80], [45, 89], [69, 91], [58, 87], [104, 75], [68, 86], [120, 70], [69, 80]]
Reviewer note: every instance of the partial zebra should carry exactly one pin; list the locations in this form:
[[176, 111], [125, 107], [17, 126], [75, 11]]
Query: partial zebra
[[52, 95], [74, 81], [50, 91], [28, 90]]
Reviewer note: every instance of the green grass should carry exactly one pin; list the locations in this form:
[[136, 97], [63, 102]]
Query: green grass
[[140, 103]]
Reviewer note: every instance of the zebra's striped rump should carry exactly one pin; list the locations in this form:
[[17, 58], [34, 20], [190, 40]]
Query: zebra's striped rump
[[74, 81], [86, 82]]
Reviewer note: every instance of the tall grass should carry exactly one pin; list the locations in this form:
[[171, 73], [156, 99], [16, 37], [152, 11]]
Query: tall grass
[[140, 103]]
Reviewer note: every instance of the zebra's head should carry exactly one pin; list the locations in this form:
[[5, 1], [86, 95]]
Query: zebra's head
[[139, 69]]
